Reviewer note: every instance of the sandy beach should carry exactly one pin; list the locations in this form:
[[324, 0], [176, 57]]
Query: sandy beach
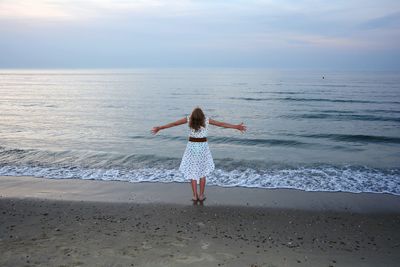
[[55, 222], [111, 111]]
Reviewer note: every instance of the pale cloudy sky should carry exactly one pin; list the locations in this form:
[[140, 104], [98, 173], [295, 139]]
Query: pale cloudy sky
[[352, 34]]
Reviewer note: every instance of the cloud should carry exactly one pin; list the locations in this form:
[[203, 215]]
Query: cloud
[[19, 9], [192, 32], [386, 21], [73, 9]]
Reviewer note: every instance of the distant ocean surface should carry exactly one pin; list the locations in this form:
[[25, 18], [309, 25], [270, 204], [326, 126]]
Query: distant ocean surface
[[337, 133]]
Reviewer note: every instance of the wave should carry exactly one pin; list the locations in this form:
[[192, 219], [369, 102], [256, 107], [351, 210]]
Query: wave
[[280, 92], [252, 98], [257, 141], [318, 85], [80, 158], [83, 164], [355, 138], [354, 179], [270, 142], [233, 140], [313, 100], [341, 117], [334, 111], [387, 111], [230, 172]]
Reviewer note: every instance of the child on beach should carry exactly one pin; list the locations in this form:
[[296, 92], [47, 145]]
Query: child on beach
[[197, 161]]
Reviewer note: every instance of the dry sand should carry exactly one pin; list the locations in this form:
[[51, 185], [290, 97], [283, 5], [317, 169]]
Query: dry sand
[[47, 222]]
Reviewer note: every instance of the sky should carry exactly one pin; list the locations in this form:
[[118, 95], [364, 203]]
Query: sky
[[302, 34]]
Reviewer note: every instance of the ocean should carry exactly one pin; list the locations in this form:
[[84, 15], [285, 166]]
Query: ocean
[[308, 130]]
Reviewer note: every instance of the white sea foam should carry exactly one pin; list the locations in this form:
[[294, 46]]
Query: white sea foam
[[322, 178]]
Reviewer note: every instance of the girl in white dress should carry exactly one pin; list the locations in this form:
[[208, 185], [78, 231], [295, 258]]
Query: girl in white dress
[[197, 161]]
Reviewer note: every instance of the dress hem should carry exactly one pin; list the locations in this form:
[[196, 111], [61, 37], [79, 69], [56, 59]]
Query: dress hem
[[198, 178]]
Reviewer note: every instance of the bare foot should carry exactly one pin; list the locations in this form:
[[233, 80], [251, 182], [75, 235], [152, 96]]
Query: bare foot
[[202, 197], [195, 198]]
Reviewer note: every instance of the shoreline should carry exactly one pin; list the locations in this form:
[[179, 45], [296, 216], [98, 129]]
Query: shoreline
[[180, 194], [54, 222]]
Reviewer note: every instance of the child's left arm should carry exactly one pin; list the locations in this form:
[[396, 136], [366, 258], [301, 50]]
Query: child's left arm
[[169, 125]]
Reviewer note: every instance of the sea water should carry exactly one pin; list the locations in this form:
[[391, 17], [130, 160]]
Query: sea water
[[309, 130]]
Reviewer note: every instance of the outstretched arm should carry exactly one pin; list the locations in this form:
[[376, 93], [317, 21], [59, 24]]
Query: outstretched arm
[[239, 127], [169, 125]]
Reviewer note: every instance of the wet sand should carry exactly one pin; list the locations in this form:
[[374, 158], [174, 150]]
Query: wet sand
[[95, 223]]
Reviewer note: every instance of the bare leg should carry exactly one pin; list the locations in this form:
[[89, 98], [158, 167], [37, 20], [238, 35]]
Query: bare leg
[[202, 186], [194, 189]]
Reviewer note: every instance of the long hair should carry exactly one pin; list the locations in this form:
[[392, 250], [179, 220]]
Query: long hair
[[197, 119]]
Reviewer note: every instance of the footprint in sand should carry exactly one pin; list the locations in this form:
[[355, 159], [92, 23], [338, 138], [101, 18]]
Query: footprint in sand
[[182, 238], [145, 245], [227, 256], [200, 224], [205, 245], [178, 244], [191, 259]]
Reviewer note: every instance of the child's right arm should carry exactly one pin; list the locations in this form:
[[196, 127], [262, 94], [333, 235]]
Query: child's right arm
[[169, 125], [239, 127]]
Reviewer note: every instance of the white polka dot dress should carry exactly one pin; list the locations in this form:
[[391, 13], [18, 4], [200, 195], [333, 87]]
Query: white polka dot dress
[[197, 160]]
